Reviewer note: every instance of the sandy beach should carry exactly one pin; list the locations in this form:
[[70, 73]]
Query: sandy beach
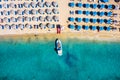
[[63, 21]]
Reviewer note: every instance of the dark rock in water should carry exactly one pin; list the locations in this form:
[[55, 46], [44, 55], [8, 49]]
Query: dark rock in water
[[4, 78]]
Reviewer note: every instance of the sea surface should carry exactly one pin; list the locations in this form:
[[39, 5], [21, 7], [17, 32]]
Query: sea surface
[[81, 60]]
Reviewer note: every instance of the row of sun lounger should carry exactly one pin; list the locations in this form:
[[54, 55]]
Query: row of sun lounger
[[91, 27], [94, 6]]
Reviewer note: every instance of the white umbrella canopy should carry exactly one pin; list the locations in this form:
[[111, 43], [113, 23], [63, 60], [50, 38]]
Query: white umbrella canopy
[[48, 4], [33, 4], [5, 5], [55, 11], [19, 12], [34, 18], [49, 25], [41, 11], [13, 26], [12, 5], [21, 26], [5, 19], [19, 18], [6, 26], [28, 26], [12, 12], [33, 11], [26, 11], [40, 4], [4, 12], [12, 19], [0, 26], [55, 4], [42, 26], [27, 18], [48, 18], [41, 18], [48, 11], [56, 18], [26, 4]]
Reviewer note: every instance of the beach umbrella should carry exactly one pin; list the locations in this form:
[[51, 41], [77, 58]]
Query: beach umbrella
[[40, 4], [55, 11], [27, 18], [86, 27], [49, 25], [71, 4], [94, 13], [42, 26], [104, 1], [71, 19], [1, 27], [78, 19], [4, 5], [33, 4], [86, 5], [78, 27], [41, 18], [94, 20], [78, 4], [109, 14], [93, 6], [94, 28], [5, 12], [101, 21], [110, 6], [48, 11], [21, 26], [108, 28], [102, 6], [56, 18], [19, 18], [48, 18], [19, 12], [12, 12], [55, 4], [86, 20], [13, 26], [109, 21], [78, 12], [101, 28], [48, 4], [12, 19], [33, 11], [7, 26], [34, 18], [26, 11], [28, 26], [100, 13], [87, 13], [26, 4], [5, 19], [71, 26], [41, 11], [12, 5]]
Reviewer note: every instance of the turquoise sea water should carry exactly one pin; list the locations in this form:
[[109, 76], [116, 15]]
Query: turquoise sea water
[[81, 60]]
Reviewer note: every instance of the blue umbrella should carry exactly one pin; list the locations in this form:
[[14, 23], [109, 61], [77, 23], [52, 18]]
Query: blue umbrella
[[109, 14], [87, 5], [86, 27], [93, 6], [110, 6], [101, 28], [94, 13], [86, 20], [104, 1], [108, 29], [94, 28], [71, 4], [101, 21], [78, 12], [71, 26], [94, 20], [71, 19], [102, 6], [78, 19], [87, 12], [79, 4], [78, 27], [109, 21], [0, 6], [101, 13]]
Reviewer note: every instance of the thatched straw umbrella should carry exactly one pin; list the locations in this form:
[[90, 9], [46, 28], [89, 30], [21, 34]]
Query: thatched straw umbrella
[[55, 4], [41, 11]]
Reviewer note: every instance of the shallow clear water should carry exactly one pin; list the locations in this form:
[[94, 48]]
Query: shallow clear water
[[81, 60]]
